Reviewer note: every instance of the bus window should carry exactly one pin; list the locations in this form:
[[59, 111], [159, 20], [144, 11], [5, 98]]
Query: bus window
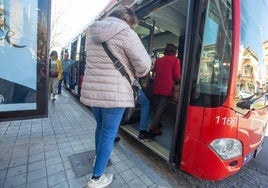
[[145, 33], [214, 66]]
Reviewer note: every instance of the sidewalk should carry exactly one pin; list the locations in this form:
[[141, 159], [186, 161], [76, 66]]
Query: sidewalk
[[55, 152]]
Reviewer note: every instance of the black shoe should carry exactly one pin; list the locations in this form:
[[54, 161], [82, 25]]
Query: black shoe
[[144, 135], [155, 130], [160, 125], [117, 139]]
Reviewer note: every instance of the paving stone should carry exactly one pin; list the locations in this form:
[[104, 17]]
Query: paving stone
[[118, 181], [2, 177], [136, 183], [15, 181], [15, 171], [147, 181], [61, 185], [120, 167], [4, 164], [52, 153], [36, 165], [80, 182], [36, 157], [128, 175], [53, 160], [18, 161], [37, 174], [41, 183], [55, 168], [57, 178]]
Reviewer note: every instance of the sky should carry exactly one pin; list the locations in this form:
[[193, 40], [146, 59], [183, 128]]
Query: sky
[[257, 16], [255, 29], [74, 15]]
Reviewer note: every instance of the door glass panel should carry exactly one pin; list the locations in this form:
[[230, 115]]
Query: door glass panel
[[216, 54]]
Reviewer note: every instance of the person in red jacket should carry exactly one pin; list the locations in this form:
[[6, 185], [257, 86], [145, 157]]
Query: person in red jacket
[[167, 70]]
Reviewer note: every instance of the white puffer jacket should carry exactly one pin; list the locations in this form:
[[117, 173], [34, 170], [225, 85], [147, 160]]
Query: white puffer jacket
[[103, 85]]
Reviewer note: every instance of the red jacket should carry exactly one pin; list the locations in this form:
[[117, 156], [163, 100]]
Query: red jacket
[[167, 70]]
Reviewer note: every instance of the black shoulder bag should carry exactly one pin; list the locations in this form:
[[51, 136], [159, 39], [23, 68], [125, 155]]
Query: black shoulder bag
[[135, 85]]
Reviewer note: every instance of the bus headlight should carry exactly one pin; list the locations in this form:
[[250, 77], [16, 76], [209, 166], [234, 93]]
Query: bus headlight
[[227, 148]]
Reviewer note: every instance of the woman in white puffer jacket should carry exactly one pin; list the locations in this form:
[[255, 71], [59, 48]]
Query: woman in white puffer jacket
[[104, 89]]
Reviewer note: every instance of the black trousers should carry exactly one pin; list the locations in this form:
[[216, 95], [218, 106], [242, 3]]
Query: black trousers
[[161, 104]]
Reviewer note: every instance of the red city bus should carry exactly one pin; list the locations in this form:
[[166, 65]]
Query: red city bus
[[208, 132]]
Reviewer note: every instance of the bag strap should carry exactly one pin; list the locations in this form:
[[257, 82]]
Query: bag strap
[[117, 64]]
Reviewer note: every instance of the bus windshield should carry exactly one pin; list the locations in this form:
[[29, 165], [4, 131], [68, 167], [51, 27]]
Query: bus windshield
[[214, 66]]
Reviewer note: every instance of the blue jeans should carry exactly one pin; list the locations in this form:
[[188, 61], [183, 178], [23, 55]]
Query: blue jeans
[[108, 121], [145, 105], [66, 79]]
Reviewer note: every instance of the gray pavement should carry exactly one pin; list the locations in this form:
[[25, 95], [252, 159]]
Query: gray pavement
[[36, 152]]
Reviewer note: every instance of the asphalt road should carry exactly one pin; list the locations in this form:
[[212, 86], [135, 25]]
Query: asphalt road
[[261, 161]]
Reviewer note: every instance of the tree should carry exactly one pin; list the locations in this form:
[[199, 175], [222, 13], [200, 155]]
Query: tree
[[58, 27]]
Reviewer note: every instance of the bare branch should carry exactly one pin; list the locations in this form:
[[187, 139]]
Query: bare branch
[[58, 29]]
